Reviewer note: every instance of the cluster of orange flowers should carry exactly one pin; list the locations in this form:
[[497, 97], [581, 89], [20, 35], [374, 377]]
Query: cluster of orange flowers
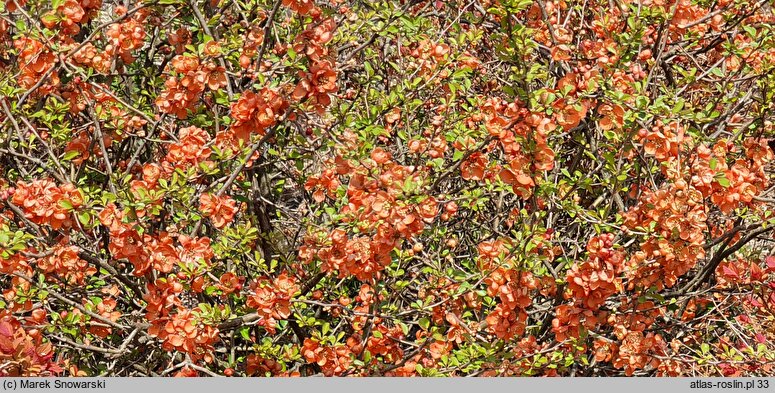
[[230, 283], [125, 241], [386, 343], [162, 296], [569, 319], [122, 39], [316, 85], [678, 218], [91, 56], [637, 347], [592, 282], [511, 286], [523, 138], [186, 83], [319, 81], [146, 189], [161, 253], [106, 308], [35, 60], [634, 348], [475, 168], [506, 323], [179, 39], [195, 254], [383, 217], [333, 360], [664, 141], [125, 37], [429, 55], [638, 350], [68, 16], [254, 113], [260, 366], [45, 203], [436, 147], [181, 330], [65, 262], [191, 149], [16, 264], [272, 299], [347, 256], [4, 36], [155, 251], [220, 209], [323, 185], [676, 213], [252, 40], [750, 53], [303, 7], [745, 178]]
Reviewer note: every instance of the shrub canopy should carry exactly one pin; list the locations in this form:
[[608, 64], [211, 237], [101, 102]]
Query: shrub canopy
[[391, 188]]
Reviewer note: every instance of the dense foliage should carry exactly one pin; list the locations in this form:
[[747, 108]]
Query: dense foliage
[[395, 188]]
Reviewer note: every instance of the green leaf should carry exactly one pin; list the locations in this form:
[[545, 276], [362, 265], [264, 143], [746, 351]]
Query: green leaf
[[84, 217], [678, 106], [71, 154], [245, 333], [722, 180], [424, 323], [64, 203], [50, 18]]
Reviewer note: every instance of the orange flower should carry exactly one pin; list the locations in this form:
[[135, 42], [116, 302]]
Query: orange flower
[[302, 7], [380, 156], [65, 262], [271, 299], [185, 332], [191, 148], [230, 283], [220, 209], [43, 202], [473, 167], [428, 209]]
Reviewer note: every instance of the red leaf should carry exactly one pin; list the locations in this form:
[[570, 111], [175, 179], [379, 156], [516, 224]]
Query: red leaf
[[770, 263], [729, 272]]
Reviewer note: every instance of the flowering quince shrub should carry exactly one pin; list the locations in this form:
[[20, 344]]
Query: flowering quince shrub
[[390, 188]]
